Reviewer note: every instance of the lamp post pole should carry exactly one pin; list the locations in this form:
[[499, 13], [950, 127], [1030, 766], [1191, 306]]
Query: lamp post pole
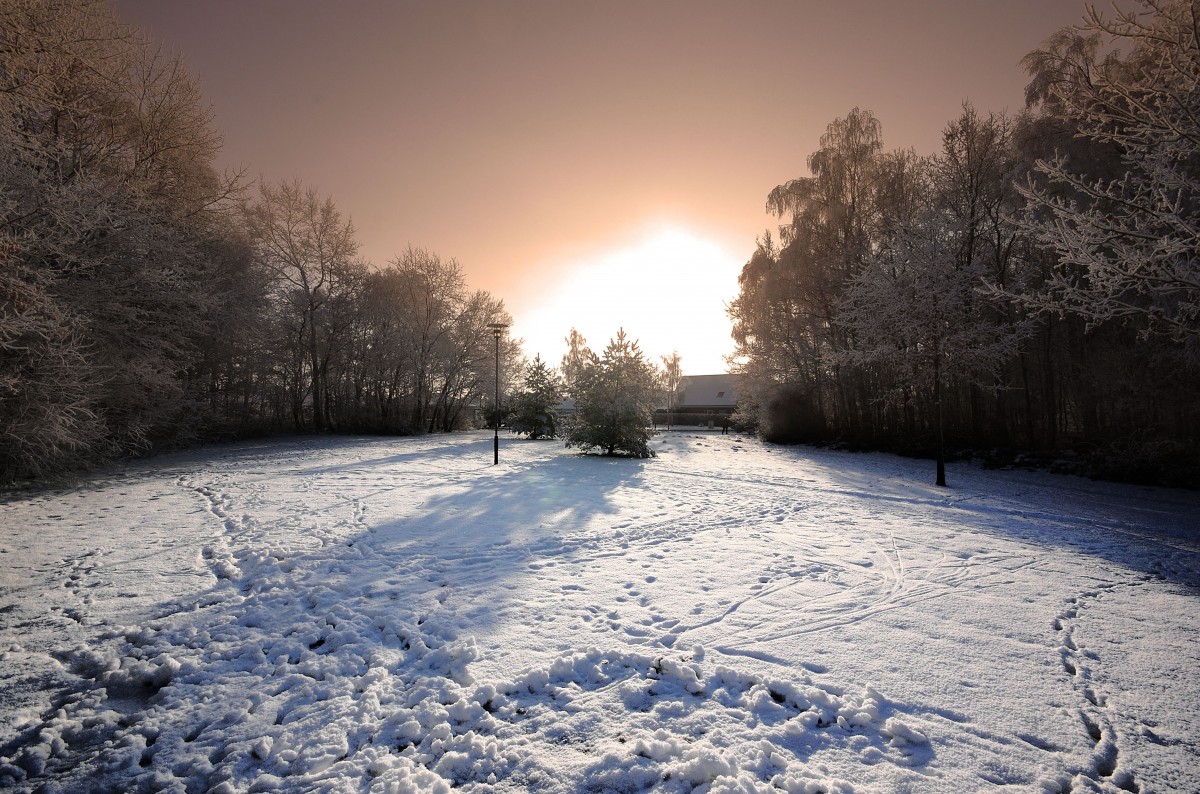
[[497, 331]]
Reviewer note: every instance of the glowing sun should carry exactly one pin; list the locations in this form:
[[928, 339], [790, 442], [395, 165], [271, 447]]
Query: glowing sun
[[667, 288]]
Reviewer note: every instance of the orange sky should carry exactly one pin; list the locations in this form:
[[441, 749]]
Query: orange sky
[[546, 144]]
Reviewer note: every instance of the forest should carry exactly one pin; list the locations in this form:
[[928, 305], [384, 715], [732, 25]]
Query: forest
[[148, 301], [1029, 293]]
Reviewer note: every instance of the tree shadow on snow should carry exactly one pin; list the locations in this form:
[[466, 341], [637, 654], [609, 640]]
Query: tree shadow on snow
[[529, 502], [1155, 531]]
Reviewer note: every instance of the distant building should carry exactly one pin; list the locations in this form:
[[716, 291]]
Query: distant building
[[710, 396], [706, 394]]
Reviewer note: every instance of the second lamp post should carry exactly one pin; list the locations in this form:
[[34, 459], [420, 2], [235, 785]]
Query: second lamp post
[[497, 331]]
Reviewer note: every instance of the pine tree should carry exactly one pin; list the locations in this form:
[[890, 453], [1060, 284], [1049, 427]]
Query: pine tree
[[535, 406], [614, 400]]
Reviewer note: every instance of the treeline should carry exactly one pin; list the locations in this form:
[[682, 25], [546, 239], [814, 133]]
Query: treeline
[[148, 301], [1033, 287]]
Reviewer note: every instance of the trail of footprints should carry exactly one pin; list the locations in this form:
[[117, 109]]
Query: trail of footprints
[[221, 506], [653, 627], [634, 611], [1095, 716]]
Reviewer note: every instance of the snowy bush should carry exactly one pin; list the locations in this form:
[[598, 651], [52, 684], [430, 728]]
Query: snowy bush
[[534, 407], [614, 398]]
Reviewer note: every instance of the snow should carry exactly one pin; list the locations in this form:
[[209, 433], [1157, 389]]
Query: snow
[[398, 615]]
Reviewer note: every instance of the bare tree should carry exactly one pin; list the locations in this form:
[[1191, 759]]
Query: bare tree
[[307, 246], [431, 295], [467, 363]]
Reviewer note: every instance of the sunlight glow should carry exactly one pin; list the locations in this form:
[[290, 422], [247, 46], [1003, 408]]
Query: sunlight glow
[[667, 288]]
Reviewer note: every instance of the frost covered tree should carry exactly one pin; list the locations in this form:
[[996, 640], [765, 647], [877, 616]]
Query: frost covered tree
[[615, 396], [672, 380], [47, 409], [920, 325], [1127, 245], [915, 313], [1089, 262], [790, 293], [535, 405], [442, 336], [138, 307], [576, 360], [107, 204]]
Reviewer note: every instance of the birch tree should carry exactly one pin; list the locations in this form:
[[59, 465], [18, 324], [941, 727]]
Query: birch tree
[[789, 297], [672, 380]]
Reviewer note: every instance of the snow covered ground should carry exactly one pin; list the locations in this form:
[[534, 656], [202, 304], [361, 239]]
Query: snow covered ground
[[398, 615]]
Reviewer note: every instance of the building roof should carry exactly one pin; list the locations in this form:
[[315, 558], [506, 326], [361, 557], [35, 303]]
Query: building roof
[[700, 392], [706, 391]]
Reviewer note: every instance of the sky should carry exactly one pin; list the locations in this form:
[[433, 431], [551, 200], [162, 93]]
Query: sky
[[597, 165]]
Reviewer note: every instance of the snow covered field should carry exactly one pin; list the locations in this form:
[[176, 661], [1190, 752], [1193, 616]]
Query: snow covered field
[[399, 615]]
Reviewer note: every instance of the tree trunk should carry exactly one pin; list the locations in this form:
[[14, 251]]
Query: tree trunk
[[318, 397], [937, 406]]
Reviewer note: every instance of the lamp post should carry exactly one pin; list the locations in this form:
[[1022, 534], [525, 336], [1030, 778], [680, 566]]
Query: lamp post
[[497, 331]]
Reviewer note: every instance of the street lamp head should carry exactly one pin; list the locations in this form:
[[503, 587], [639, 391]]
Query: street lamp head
[[498, 329]]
